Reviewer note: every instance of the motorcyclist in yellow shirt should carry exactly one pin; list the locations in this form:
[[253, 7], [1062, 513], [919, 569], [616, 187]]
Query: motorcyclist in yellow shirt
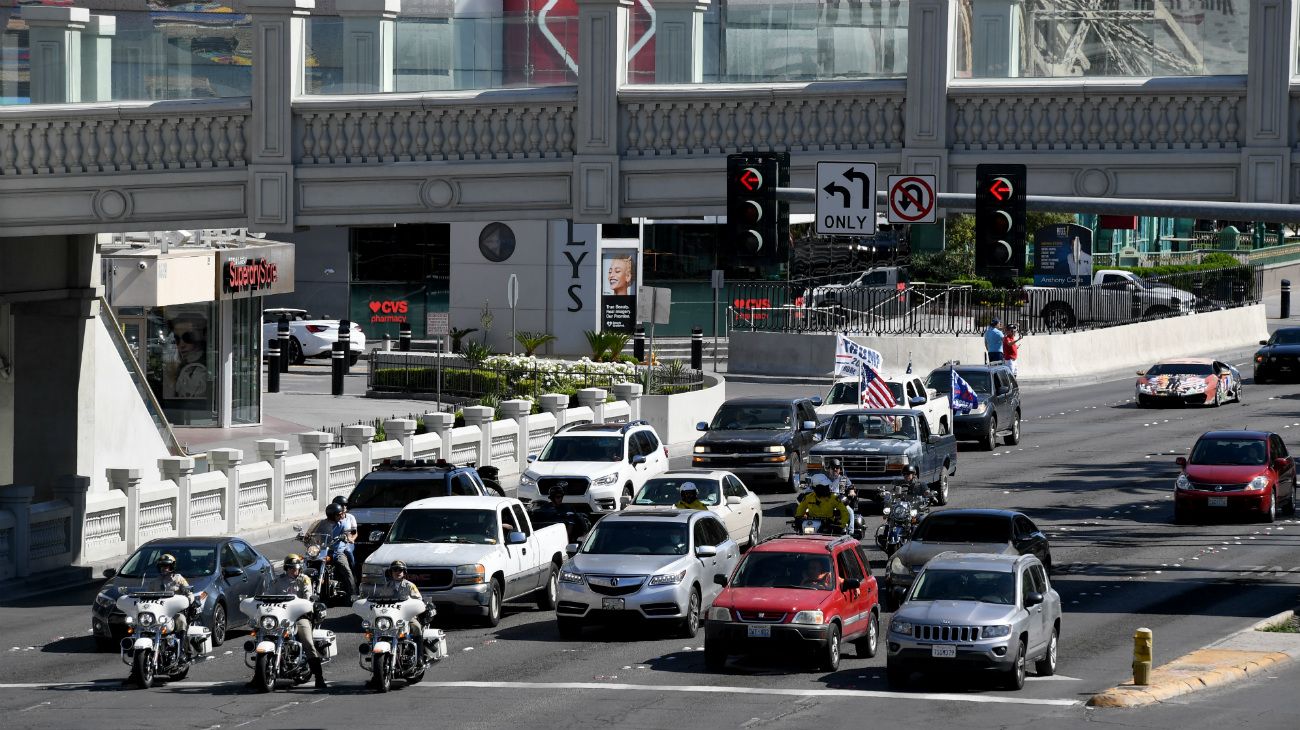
[[821, 504]]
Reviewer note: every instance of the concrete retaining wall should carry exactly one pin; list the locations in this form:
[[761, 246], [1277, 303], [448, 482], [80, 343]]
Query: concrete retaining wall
[[674, 416], [1042, 357]]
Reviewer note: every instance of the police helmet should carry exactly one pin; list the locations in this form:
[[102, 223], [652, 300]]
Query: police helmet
[[834, 464], [910, 469], [168, 560], [292, 560], [341, 501], [821, 484], [333, 510], [397, 565], [689, 488]]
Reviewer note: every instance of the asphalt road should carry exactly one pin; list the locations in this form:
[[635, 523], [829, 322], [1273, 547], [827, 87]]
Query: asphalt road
[[1093, 470]]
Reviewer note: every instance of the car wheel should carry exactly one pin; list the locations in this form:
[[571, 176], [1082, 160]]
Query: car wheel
[[690, 626], [1218, 397], [546, 598], [1015, 676], [752, 540], [940, 488], [220, 624], [494, 604], [896, 676], [715, 656], [868, 645], [796, 471], [830, 653], [1271, 515], [295, 352], [990, 439], [1013, 438], [627, 496], [1058, 316], [1236, 393], [1046, 666], [569, 628], [1290, 503]]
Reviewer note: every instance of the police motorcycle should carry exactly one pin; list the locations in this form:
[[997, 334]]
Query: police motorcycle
[[815, 526], [275, 652], [901, 512], [389, 651], [152, 647], [324, 556]]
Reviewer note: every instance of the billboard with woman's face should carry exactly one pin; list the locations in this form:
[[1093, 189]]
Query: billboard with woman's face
[[618, 266]]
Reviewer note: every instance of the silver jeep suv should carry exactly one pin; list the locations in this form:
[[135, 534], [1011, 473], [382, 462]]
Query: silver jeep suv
[[976, 611]]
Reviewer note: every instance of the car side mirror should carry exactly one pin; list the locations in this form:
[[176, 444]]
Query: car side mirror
[[720, 579], [571, 549], [516, 538], [109, 572], [809, 425], [625, 501], [852, 584], [532, 458], [932, 439], [1181, 461], [706, 551], [232, 572], [297, 529], [638, 459], [1141, 372], [733, 501], [1281, 463], [1033, 599], [701, 426]]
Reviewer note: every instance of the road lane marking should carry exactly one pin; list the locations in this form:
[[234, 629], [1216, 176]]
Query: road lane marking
[[790, 692]]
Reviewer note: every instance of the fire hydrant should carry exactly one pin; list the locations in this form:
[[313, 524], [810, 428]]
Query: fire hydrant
[[1142, 648]]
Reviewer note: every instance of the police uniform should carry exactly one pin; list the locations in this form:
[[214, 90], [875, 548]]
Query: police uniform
[[697, 504], [403, 590], [287, 585], [822, 508], [176, 584]]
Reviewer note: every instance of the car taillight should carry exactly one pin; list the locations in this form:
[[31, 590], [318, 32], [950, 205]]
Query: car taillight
[[315, 328]]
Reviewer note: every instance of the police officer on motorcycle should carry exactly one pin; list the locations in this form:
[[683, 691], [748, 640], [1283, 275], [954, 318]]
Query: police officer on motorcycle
[[690, 497], [822, 504], [553, 511], [396, 586], [292, 582], [912, 487], [841, 485], [169, 581]]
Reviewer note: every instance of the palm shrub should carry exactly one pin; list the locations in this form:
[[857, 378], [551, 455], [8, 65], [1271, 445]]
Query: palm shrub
[[475, 353], [533, 341]]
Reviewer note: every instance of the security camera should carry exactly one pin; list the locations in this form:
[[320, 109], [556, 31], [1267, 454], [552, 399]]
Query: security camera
[[142, 265]]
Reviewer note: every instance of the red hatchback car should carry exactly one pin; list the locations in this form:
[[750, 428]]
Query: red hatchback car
[[793, 593], [1236, 472]]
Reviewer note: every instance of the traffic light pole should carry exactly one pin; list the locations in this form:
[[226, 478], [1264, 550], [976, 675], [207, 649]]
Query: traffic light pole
[[1257, 212]]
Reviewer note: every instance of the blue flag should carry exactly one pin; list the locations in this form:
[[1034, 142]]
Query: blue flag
[[964, 398]]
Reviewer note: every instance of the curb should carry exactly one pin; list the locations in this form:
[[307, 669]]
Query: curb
[[1204, 668]]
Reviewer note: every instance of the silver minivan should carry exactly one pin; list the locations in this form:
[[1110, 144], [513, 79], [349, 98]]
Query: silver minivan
[[976, 612], [658, 565]]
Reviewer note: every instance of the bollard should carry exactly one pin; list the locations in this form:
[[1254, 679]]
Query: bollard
[[273, 367], [404, 337], [638, 343], [338, 361], [282, 332], [1286, 298], [345, 337], [388, 342], [697, 348], [1143, 646]]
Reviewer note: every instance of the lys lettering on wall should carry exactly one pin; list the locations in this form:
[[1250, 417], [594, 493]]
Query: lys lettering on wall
[[390, 310], [575, 258]]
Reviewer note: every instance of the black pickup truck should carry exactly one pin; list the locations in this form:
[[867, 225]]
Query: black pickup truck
[[759, 439]]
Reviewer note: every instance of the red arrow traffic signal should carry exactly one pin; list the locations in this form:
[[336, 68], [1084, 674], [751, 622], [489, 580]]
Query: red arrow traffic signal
[[1001, 189], [751, 179]]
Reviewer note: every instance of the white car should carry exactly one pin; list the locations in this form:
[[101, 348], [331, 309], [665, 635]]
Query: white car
[[310, 337], [598, 465], [740, 510], [909, 392]]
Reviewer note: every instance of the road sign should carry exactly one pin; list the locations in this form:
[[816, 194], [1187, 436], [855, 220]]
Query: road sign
[[912, 198], [512, 291], [654, 304], [437, 324], [846, 198], [719, 279]]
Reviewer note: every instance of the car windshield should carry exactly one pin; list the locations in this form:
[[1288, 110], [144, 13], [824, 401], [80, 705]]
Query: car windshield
[[751, 418], [627, 537], [980, 380], [379, 490], [668, 491], [1229, 452], [807, 571], [1180, 368], [871, 426], [191, 562], [476, 526], [939, 527], [984, 586], [846, 393], [583, 448], [1285, 337]]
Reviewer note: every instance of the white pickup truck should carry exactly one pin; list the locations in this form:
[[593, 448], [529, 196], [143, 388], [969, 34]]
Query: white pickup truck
[[1115, 296], [471, 554], [909, 392]]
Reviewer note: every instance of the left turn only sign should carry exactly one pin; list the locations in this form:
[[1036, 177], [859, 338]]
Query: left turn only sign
[[846, 198]]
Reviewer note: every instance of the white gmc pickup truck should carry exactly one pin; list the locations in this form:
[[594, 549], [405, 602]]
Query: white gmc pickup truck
[[470, 554]]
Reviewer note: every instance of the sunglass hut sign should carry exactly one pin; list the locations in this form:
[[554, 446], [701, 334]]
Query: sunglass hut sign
[[255, 272]]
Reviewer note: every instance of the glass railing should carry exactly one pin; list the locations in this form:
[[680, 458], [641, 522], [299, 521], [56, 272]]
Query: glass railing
[[189, 51], [1065, 38]]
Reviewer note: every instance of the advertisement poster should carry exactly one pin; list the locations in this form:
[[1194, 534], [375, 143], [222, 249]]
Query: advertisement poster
[[185, 353], [1063, 255], [620, 269]]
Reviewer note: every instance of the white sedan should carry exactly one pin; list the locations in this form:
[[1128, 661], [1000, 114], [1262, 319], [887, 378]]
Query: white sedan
[[726, 496], [310, 337]]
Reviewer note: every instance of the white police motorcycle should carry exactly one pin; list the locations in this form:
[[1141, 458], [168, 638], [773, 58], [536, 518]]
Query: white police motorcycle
[[389, 650], [152, 648], [275, 651]]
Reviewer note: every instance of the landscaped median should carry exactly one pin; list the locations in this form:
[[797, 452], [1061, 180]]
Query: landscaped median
[[1247, 653]]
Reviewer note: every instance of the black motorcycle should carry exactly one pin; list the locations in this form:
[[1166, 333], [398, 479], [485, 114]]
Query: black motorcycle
[[901, 513], [328, 567], [491, 477]]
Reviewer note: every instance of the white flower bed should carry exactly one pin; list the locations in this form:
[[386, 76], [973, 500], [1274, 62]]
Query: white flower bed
[[559, 373]]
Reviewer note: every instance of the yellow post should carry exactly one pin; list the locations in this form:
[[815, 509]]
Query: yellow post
[[1142, 648]]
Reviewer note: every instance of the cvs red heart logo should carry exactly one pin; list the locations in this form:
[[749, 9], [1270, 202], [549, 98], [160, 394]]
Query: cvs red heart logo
[[374, 307]]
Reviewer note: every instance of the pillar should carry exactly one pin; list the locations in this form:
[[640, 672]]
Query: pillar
[[555, 404], [179, 469], [930, 35], [602, 49], [317, 443], [127, 481], [995, 38], [482, 417], [227, 462], [1271, 59], [441, 424], [679, 41], [273, 451], [401, 430], [55, 44], [369, 30], [630, 393], [17, 499], [361, 437], [520, 410], [73, 490], [97, 58], [593, 398]]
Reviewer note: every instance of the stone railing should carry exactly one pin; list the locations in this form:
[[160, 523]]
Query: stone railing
[[34, 536]]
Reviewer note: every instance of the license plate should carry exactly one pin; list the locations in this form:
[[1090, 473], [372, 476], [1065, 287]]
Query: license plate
[[942, 651], [1218, 501], [612, 604], [760, 632]]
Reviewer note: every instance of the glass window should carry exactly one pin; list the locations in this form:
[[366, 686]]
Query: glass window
[[246, 356], [183, 362], [866, 560], [245, 553], [583, 448], [1229, 452], [191, 562], [984, 586], [740, 417], [228, 558], [701, 533], [1279, 447], [521, 521], [478, 527], [651, 441], [1040, 579], [1026, 586], [667, 491], [717, 534], [639, 537], [968, 528], [507, 521], [463, 484]]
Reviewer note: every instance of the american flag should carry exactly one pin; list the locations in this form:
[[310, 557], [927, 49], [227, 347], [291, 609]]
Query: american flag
[[873, 391]]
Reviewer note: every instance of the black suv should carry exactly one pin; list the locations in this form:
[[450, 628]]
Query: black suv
[[759, 439], [382, 493], [998, 413]]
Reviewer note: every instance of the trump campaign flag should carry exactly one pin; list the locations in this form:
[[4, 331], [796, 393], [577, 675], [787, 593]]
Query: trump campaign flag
[[964, 398], [873, 391], [849, 355]]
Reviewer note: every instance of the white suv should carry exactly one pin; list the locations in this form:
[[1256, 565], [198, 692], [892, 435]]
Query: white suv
[[597, 465]]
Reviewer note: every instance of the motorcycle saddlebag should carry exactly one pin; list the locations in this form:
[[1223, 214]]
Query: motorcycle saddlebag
[[435, 641], [200, 638], [325, 642]]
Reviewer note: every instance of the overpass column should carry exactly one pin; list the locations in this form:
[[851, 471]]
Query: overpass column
[[602, 70], [930, 36], [1266, 159], [679, 41], [369, 28], [277, 79], [97, 58], [55, 52]]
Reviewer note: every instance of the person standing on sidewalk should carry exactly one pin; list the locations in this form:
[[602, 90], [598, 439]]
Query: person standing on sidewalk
[[993, 339], [1011, 347]]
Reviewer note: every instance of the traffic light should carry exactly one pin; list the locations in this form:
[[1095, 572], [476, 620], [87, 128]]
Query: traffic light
[[999, 221], [753, 216]]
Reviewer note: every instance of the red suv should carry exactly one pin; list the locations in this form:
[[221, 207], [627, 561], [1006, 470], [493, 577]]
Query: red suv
[[794, 592], [1236, 472]]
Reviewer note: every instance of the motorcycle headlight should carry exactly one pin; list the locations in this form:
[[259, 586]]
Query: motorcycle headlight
[[313, 551], [383, 623], [913, 512], [897, 566], [885, 510], [147, 619], [809, 617], [605, 481], [1258, 484], [668, 579], [777, 449], [269, 623], [376, 535], [1182, 482], [993, 632], [901, 627], [718, 613]]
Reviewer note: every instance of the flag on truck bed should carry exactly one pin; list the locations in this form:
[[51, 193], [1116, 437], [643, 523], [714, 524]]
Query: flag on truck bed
[[873, 391], [964, 398]]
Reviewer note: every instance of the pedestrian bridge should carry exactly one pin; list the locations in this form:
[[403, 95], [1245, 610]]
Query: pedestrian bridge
[[366, 114]]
